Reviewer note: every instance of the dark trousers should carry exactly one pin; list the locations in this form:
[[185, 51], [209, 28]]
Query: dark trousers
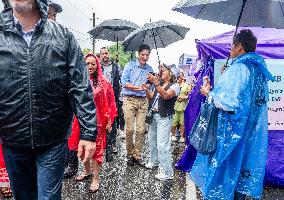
[[36, 174], [121, 121]]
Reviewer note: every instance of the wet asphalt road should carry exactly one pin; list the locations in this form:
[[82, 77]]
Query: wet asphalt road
[[122, 182]]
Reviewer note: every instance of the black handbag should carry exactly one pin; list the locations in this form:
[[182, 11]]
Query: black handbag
[[150, 113], [203, 135]]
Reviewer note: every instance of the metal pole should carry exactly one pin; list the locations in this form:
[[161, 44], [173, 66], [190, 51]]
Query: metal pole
[[94, 24], [237, 26]]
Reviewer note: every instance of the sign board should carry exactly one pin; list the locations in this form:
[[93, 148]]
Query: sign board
[[276, 91]]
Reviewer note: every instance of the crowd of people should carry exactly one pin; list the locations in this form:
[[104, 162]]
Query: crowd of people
[[64, 107]]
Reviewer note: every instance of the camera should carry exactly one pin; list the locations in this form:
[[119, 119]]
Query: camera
[[148, 82]]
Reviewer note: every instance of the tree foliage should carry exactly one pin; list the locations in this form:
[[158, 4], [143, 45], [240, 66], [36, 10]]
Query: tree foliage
[[123, 57], [86, 51]]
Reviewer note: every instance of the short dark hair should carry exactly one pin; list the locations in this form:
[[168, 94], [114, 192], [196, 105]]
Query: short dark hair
[[246, 38], [103, 48], [144, 47]]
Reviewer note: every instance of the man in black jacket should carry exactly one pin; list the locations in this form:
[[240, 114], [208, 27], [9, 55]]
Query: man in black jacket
[[43, 81], [111, 71]]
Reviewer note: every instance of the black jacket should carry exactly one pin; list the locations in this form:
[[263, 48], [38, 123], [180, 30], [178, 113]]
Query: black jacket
[[115, 74], [41, 86]]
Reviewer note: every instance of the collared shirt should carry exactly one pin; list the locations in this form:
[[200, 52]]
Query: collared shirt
[[136, 75], [26, 35], [107, 71]]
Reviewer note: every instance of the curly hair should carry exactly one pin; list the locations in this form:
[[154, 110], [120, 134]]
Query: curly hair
[[246, 38]]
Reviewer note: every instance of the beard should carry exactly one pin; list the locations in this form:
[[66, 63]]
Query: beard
[[23, 6]]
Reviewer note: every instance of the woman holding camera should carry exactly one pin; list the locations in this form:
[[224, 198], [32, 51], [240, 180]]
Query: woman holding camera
[[162, 101]]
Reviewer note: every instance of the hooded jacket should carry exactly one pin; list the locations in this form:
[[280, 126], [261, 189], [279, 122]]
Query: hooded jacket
[[41, 86]]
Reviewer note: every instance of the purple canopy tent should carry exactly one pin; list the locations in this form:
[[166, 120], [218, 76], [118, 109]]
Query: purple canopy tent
[[271, 46]]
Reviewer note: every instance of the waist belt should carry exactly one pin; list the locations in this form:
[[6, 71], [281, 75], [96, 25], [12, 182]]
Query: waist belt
[[134, 96]]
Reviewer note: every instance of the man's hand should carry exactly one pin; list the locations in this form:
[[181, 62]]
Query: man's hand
[[86, 150], [145, 86]]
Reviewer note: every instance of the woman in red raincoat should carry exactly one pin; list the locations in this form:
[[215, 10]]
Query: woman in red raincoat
[[106, 112], [5, 190]]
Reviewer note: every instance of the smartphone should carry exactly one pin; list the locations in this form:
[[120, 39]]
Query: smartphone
[[148, 82]]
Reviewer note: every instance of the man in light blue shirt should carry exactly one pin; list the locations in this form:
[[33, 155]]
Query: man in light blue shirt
[[135, 104]]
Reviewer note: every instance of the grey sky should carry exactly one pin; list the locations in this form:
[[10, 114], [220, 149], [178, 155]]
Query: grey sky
[[77, 15]]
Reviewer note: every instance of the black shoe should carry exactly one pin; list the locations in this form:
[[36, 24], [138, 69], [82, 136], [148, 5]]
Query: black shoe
[[72, 167], [130, 161], [139, 162]]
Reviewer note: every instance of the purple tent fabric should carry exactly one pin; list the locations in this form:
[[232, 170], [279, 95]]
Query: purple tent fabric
[[270, 43], [270, 46], [193, 108]]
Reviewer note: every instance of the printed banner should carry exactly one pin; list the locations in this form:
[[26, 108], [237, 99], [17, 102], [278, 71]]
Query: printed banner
[[276, 91]]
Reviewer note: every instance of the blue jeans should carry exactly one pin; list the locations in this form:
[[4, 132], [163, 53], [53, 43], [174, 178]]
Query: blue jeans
[[36, 173], [160, 143]]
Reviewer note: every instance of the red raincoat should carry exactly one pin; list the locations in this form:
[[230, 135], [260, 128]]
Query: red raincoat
[[105, 109]]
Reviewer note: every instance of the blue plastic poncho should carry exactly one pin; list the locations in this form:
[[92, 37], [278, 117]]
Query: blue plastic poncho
[[239, 161]]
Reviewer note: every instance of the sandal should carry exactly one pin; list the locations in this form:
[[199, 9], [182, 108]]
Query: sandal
[[6, 192], [84, 176], [94, 188]]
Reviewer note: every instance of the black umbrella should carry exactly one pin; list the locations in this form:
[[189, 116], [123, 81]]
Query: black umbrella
[[113, 30], [156, 34], [251, 13]]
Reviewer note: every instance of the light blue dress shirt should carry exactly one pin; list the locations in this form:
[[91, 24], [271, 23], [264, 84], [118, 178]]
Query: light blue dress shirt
[[136, 75], [26, 35]]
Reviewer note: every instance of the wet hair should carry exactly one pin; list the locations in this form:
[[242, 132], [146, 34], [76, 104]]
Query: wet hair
[[144, 47], [246, 39], [95, 74], [103, 48], [181, 73], [172, 76]]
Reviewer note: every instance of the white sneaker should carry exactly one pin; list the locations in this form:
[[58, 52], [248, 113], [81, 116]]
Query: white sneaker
[[181, 140], [150, 165], [162, 177], [122, 134], [174, 138]]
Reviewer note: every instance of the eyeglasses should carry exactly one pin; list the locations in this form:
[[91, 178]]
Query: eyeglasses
[[93, 64], [234, 45]]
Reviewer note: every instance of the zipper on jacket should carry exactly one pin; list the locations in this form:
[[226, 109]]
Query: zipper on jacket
[[30, 96]]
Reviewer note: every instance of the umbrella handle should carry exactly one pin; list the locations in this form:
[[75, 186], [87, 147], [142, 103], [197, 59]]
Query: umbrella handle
[[156, 47], [237, 27]]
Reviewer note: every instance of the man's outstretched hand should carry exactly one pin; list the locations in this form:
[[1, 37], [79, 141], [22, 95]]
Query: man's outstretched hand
[[86, 150]]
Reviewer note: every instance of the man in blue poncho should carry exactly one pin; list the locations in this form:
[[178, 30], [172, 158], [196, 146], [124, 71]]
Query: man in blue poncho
[[237, 168]]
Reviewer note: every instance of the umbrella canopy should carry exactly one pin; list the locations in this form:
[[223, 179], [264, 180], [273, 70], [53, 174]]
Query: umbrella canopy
[[255, 13], [156, 34], [113, 30]]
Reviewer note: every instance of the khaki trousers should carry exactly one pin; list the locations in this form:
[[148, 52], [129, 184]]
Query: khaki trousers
[[135, 109]]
